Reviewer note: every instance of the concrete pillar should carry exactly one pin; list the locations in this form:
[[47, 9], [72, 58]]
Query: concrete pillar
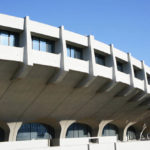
[[124, 134], [14, 127], [25, 42], [114, 63], [6, 130], [64, 126], [102, 125], [145, 77], [61, 47], [90, 56], [95, 131], [120, 134], [131, 70]]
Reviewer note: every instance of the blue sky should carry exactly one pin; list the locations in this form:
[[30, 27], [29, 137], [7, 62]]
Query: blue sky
[[125, 23]]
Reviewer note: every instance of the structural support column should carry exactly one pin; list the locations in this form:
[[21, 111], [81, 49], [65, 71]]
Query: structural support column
[[61, 47], [128, 90], [14, 127], [110, 85], [26, 42], [64, 126], [90, 55], [145, 77]]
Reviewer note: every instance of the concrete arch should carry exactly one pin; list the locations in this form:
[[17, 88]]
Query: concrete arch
[[51, 122], [65, 124], [93, 124], [102, 124], [125, 130]]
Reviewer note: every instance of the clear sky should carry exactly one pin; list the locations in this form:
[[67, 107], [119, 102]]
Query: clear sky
[[125, 23]]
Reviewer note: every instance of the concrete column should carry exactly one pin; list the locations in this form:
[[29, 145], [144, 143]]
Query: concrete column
[[102, 124], [63, 50], [114, 63], [89, 55], [64, 126], [145, 77], [61, 47], [14, 127], [131, 70], [5, 128], [26, 42]]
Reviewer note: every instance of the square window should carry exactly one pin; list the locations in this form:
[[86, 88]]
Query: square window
[[100, 59], [120, 66], [8, 38], [138, 73], [74, 52], [42, 45]]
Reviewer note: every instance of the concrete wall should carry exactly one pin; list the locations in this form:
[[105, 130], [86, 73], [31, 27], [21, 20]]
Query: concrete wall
[[30, 57], [26, 57], [105, 145]]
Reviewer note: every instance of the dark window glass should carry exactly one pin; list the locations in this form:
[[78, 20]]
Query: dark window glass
[[42, 45], [8, 38], [120, 66], [74, 52], [50, 47], [148, 79], [78, 130], [110, 130], [31, 131], [2, 135], [100, 59], [131, 133], [137, 73]]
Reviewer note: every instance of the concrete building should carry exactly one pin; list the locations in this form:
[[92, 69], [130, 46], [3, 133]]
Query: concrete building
[[62, 90]]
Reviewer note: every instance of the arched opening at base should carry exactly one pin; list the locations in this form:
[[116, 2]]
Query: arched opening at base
[[77, 130], [110, 130], [131, 133], [30, 131]]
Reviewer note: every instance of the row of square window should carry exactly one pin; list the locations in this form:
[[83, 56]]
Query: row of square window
[[121, 66], [12, 39]]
